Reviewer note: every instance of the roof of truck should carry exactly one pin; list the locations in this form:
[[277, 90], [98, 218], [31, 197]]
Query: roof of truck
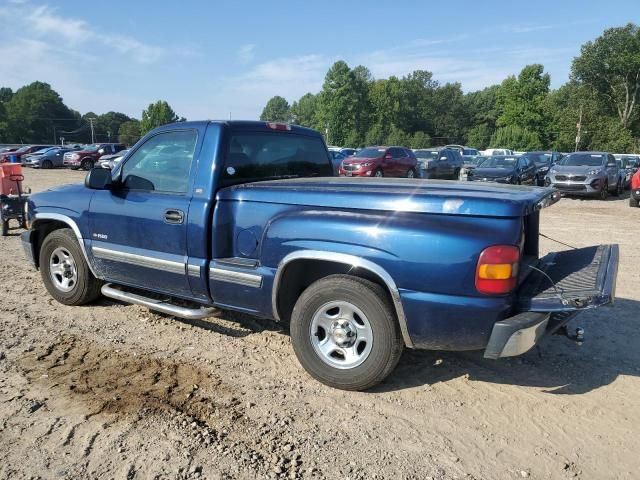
[[242, 125]]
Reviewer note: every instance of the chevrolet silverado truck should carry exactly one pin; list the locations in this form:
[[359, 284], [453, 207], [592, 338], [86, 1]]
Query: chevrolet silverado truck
[[246, 216]]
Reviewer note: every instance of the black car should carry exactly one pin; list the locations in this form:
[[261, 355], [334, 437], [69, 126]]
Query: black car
[[543, 161], [444, 163], [505, 169]]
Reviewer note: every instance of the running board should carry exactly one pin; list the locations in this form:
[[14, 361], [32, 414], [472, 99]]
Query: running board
[[158, 305]]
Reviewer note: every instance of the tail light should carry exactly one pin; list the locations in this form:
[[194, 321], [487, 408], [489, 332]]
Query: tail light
[[497, 272], [635, 180], [279, 126]]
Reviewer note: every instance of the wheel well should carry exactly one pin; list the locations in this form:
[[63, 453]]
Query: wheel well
[[40, 231], [300, 274]]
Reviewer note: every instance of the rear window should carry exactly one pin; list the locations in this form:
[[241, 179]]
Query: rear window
[[370, 153], [253, 156], [427, 154]]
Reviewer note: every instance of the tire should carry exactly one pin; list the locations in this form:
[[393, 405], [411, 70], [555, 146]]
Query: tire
[[604, 191], [86, 164], [82, 287], [619, 189], [378, 173], [47, 164], [456, 174], [5, 228], [411, 173], [371, 361], [633, 202]]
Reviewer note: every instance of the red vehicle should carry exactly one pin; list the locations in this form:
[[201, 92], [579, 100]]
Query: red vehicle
[[634, 199], [27, 149], [380, 162], [88, 156]]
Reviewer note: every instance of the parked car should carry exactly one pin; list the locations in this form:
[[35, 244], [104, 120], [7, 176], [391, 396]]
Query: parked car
[[624, 177], [22, 151], [634, 196], [347, 152], [464, 151], [336, 160], [444, 163], [543, 161], [497, 151], [29, 159], [585, 173], [8, 149], [237, 215], [631, 161], [380, 162], [87, 157], [469, 163], [111, 161], [505, 169], [52, 158]]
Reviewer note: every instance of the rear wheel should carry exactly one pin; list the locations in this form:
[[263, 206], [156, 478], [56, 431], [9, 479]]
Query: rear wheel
[[619, 189], [378, 173], [456, 174], [47, 164], [344, 332], [411, 173], [64, 270]]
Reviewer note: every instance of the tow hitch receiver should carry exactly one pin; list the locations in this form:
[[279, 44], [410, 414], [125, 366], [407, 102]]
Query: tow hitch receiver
[[577, 337]]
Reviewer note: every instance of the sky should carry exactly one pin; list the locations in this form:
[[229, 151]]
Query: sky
[[220, 59]]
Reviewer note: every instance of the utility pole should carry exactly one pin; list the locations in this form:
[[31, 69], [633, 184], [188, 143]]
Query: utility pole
[[93, 135], [579, 127]]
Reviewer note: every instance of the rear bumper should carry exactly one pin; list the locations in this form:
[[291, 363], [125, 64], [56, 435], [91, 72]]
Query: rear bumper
[[516, 335]]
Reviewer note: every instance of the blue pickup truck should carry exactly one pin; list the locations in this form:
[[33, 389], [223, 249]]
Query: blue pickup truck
[[246, 216]]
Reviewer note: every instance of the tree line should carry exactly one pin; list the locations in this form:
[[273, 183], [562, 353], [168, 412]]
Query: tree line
[[36, 113], [600, 100]]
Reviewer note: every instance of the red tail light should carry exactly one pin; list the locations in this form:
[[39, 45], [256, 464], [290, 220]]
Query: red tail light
[[497, 271], [635, 180], [278, 126]]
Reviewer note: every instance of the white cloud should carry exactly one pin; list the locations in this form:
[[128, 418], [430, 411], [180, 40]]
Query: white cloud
[[246, 53]]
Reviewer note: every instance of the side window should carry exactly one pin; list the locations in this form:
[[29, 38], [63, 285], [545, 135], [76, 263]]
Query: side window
[[162, 163]]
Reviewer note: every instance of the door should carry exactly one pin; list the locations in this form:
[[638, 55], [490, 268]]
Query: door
[[138, 228], [612, 171], [443, 165], [401, 162], [526, 171]]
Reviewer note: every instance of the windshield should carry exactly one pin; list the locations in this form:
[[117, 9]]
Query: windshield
[[474, 160], [498, 162], [540, 158], [427, 154], [91, 148], [267, 156], [370, 153], [23, 149], [469, 151], [583, 160]]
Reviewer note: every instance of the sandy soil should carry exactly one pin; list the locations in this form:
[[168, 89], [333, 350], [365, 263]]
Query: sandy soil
[[115, 391]]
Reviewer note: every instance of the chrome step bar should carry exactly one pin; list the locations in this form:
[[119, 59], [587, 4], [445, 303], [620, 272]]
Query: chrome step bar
[[158, 305]]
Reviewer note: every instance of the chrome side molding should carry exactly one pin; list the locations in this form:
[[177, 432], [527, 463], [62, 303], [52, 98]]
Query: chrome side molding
[[110, 291], [354, 262], [239, 278], [139, 260]]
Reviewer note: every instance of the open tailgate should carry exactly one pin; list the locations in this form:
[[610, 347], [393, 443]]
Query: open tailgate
[[571, 280]]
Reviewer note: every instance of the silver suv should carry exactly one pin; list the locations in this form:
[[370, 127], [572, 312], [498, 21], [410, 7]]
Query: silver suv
[[585, 173]]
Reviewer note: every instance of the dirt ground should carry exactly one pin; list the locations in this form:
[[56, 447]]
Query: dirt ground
[[115, 391]]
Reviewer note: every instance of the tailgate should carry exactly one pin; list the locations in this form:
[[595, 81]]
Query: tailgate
[[571, 280]]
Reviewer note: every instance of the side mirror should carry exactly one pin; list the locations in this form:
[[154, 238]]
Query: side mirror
[[98, 179], [443, 158]]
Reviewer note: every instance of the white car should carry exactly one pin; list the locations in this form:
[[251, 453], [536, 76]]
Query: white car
[[496, 151]]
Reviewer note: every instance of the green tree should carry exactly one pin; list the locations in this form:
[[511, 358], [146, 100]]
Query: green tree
[[451, 118], [611, 66], [276, 110], [398, 137], [338, 103], [108, 125], [34, 111], [157, 114], [516, 138], [305, 111], [129, 132], [479, 136], [420, 140], [483, 114], [5, 94], [521, 101]]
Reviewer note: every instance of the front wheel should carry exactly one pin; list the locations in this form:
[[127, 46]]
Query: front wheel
[[65, 271], [604, 191], [633, 202], [378, 173], [47, 164], [86, 164], [345, 334], [619, 189]]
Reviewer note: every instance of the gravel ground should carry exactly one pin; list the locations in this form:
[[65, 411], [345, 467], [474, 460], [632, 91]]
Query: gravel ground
[[115, 391]]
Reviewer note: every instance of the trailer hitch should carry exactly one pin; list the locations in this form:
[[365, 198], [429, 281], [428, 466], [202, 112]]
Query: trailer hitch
[[577, 337]]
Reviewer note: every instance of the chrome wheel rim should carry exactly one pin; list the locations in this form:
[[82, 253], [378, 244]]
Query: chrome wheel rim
[[341, 335], [378, 173], [63, 270], [410, 174]]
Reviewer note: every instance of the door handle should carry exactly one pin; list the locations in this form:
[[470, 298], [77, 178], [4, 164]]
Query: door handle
[[172, 216]]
